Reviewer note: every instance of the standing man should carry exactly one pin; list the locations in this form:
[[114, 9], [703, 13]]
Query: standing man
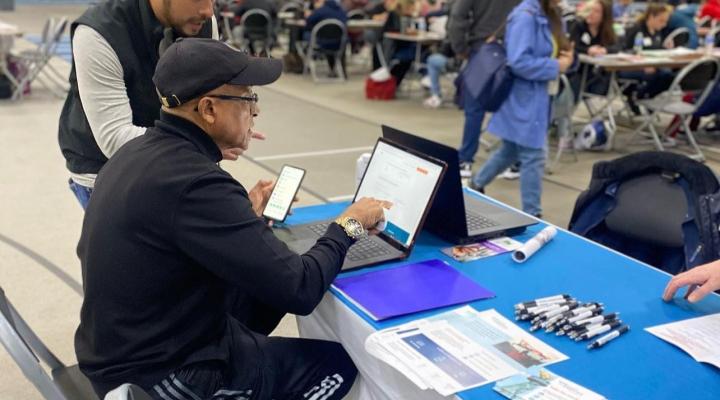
[[470, 24], [112, 99], [185, 235]]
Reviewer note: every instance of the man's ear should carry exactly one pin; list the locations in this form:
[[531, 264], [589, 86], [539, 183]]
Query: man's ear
[[206, 108]]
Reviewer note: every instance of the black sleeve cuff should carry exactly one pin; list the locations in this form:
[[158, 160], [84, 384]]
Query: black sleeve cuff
[[337, 233]]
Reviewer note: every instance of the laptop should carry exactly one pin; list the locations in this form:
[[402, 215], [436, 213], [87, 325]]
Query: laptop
[[403, 176], [457, 216]]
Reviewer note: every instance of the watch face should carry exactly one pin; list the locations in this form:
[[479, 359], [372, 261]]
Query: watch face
[[354, 227]]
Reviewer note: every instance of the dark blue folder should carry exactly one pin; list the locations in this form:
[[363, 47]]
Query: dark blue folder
[[409, 288]]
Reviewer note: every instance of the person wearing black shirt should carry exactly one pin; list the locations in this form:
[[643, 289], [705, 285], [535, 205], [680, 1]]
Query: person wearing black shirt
[[593, 35], [649, 34], [168, 236]]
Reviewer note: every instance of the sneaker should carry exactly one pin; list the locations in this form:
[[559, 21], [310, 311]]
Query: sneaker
[[432, 102], [425, 82], [511, 173]]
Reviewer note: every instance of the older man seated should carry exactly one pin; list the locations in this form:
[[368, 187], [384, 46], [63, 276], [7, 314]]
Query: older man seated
[[169, 238]]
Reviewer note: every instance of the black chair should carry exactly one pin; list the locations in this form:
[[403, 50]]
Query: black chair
[[333, 32], [257, 31], [680, 37], [656, 207], [357, 14], [28, 351]]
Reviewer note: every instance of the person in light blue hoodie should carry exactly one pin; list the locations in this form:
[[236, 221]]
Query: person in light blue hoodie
[[537, 53]]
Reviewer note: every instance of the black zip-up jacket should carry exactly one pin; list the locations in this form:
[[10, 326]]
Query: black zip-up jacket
[[166, 234]]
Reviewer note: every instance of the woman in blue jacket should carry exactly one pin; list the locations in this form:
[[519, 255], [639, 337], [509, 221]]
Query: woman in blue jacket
[[537, 53]]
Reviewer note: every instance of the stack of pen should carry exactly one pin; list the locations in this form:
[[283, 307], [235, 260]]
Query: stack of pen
[[566, 316]]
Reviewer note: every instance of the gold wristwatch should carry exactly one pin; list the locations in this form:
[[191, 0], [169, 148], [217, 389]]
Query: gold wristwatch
[[352, 227]]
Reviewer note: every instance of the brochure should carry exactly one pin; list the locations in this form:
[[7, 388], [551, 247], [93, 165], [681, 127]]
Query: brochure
[[488, 248], [540, 384], [460, 349]]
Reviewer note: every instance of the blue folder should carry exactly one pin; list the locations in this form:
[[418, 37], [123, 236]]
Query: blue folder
[[409, 288]]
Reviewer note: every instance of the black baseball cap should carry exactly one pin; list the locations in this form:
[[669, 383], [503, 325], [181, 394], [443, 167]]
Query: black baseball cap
[[191, 67]]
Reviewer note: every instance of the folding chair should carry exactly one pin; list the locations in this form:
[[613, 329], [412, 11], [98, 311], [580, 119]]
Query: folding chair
[[327, 31], [28, 351], [358, 14], [680, 37], [256, 28], [37, 61], [563, 110], [698, 79]]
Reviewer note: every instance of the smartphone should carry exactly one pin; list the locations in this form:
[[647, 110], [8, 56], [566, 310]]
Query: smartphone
[[282, 196]]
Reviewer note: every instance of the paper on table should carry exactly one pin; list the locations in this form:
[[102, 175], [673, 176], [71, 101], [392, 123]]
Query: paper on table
[[540, 384], [699, 337], [487, 248], [460, 349]]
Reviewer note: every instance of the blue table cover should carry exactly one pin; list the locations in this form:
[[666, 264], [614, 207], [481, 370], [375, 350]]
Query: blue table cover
[[637, 365]]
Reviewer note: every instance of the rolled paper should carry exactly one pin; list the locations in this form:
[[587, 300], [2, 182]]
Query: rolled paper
[[533, 245]]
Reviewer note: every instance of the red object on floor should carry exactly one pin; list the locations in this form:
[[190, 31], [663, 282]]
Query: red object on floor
[[380, 90]]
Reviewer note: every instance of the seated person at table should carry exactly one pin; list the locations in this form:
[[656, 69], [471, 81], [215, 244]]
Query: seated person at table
[[710, 8], [649, 33], [400, 54], [167, 286], [379, 12], [438, 61], [683, 18], [593, 35], [701, 281], [325, 9]]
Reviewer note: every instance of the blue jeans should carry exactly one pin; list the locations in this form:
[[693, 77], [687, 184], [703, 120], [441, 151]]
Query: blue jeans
[[474, 116], [435, 65], [81, 192], [531, 173]]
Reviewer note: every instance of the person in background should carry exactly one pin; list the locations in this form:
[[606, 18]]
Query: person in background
[[683, 18], [112, 99], [593, 35], [701, 281], [648, 33], [438, 61], [711, 8], [472, 22], [537, 53], [379, 12], [325, 9], [400, 54], [621, 9]]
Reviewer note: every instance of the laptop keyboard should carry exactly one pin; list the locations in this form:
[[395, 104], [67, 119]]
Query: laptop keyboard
[[363, 249], [476, 222]]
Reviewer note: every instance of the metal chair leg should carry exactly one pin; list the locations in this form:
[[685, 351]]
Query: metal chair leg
[[699, 156]]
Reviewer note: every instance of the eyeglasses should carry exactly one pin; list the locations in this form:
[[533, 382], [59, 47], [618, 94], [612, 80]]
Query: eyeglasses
[[253, 98]]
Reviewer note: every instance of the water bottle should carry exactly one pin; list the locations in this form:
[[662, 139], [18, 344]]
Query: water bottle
[[421, 24], [709, 43], [360, 167], [638, 47]]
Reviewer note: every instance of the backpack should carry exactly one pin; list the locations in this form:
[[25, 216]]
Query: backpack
[[487, 76], [684, 215]]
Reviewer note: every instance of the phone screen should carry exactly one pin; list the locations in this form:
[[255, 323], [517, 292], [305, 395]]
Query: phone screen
[[286, 187]]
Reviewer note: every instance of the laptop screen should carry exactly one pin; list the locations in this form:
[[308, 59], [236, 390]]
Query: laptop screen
[[405, 179]]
